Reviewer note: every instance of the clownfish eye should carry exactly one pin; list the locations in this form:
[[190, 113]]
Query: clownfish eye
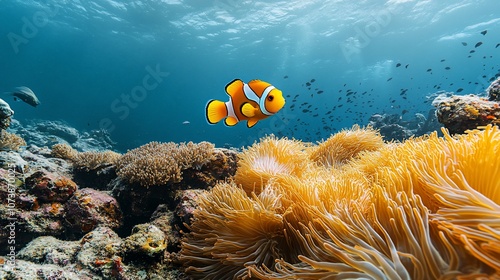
[[270, 98]]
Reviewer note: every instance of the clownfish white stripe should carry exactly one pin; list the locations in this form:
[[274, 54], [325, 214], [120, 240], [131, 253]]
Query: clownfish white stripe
[[230, 109], [250, 94], [262, 103]]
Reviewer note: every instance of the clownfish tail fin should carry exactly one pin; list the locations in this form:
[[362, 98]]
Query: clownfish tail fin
[[215, 111]]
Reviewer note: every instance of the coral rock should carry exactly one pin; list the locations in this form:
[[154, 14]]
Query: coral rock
[[50, 187], [146, 239], [89, 208], [461, 113], [494, 90]]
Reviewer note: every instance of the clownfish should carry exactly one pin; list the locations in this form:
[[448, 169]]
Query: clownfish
[[252, 102]]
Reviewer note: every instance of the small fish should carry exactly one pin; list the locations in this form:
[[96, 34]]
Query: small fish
[[389, 79], [308, 84], [319, 92], [443, 60], [25, 94], [399, 64], [464, 44], [472, 51], [484, 32], [285, 77], [186, 122], [447, 68], [498, 45], [407, 66], [429, 70], [460, 90], [252, 102], [478, 44], [313, 80]]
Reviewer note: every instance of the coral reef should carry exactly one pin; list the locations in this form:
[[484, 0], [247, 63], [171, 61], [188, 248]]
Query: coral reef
[[459, 113], [49, 187], [10, 141], [5, 114], [90, 208], [493, 90], [399, 128], [423, 209], [155, 163], [139, 202]]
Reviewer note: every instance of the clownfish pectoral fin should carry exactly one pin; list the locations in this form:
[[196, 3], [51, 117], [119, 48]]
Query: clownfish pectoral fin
[[248, 110], [252, 122], [234, 87], [215, 111], [230, 121]]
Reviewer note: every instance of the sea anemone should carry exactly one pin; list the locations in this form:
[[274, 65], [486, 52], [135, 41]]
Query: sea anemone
[[231, 231], [345, 145], [426, 208], [270, 158]]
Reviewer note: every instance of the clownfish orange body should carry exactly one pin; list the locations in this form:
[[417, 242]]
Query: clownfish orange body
[[252, 102]]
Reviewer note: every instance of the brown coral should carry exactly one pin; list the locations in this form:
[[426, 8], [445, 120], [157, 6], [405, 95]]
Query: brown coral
[[94, 160], [11, 141], [64, 151], [158, 163]]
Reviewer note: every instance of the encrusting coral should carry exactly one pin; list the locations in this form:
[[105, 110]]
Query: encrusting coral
[[10, 141], [158, 163], [426, 208]]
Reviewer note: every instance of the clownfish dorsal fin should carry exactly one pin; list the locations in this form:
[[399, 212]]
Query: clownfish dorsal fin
[[252, 122], [248, 110], [234, 87]]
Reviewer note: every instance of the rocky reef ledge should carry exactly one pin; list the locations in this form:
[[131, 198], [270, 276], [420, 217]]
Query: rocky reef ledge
[[72, 209]]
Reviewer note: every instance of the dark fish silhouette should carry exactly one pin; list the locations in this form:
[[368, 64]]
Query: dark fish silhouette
[[460, 90], [399, 64], [407, 66], [484, 32], [25, 94], [429, 70], [447, 68], [478, 44], [464, 44], [285, 77], [313, 80], [498, 45]]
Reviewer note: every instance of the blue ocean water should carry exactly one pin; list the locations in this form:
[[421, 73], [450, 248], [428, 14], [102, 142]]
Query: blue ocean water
[[143, 69]]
